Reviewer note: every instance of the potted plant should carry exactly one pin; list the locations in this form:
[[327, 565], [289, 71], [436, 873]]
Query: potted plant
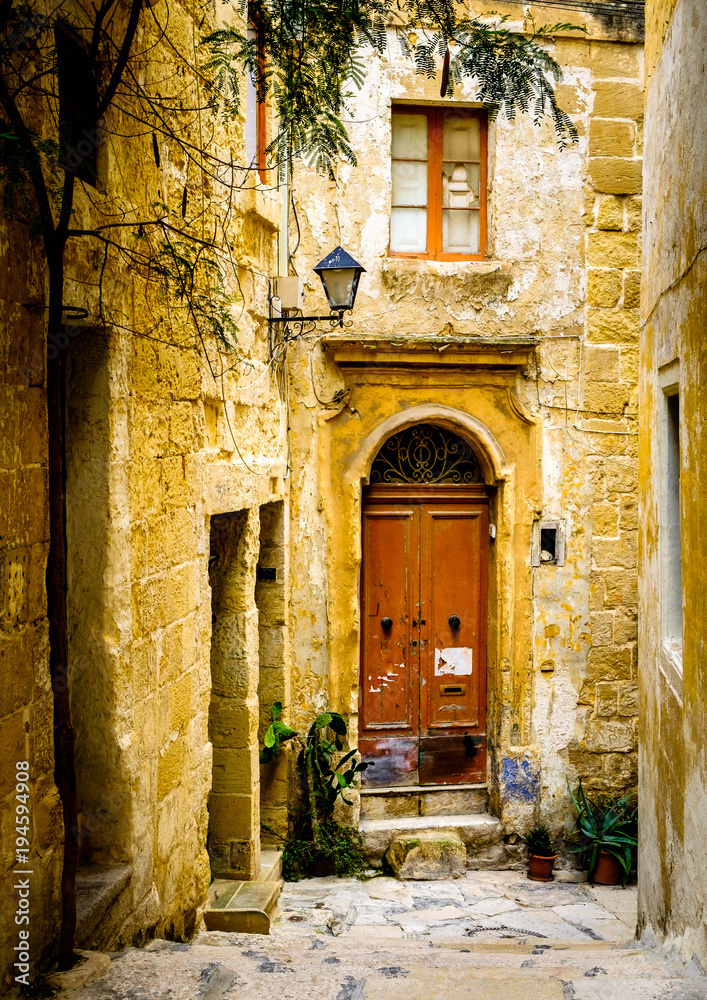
[[318, 844], [606, 834], [541, 854]]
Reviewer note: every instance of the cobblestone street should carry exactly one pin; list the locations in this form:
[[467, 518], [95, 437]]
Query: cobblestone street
[[486, 936]]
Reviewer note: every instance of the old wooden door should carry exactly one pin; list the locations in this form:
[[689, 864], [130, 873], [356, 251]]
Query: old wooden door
[[423, 618]]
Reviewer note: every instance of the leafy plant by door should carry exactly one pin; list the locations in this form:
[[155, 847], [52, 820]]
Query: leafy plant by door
[[317, 840], [605, 824]]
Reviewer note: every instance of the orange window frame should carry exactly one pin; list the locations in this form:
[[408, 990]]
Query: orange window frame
[[436, 116], [261, 136]]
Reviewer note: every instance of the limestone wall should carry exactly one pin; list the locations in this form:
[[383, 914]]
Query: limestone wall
[[163, 431], [673, 883], [563, 267]]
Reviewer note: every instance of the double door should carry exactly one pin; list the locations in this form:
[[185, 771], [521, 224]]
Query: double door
[[423, 657]]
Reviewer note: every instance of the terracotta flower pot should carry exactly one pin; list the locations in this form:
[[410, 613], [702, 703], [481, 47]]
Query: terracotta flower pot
[[540, 868], [607, 870]]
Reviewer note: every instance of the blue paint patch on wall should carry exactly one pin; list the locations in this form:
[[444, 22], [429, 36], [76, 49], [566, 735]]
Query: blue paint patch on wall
[[520, 778]]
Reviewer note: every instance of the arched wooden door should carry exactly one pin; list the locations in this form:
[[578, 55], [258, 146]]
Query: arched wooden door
[[423, 612]]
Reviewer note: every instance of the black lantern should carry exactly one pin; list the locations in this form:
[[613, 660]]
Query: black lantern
[[340, 275]]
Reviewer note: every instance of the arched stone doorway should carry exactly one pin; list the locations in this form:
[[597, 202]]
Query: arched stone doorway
[[424, 611]]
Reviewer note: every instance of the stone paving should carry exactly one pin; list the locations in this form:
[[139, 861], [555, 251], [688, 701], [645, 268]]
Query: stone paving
[[485, 906], [485, 936]]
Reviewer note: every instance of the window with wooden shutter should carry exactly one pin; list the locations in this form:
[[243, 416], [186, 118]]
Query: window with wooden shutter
[[438, 167]]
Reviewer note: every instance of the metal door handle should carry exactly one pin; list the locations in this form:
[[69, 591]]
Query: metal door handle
[[454, 622], [386, 624]]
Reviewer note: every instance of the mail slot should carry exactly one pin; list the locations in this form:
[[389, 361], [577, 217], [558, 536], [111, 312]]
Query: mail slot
[[452, 689]]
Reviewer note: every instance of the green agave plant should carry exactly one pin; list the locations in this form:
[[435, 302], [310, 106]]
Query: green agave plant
[[606, 824]]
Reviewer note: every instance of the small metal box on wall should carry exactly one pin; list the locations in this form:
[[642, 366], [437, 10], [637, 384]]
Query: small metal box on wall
[[547, 546]]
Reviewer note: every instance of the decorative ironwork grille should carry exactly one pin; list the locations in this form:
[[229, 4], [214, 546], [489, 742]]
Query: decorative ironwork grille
[[426, 454]]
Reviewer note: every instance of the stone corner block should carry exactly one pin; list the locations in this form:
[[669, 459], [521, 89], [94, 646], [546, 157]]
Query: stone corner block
[[426, 857]]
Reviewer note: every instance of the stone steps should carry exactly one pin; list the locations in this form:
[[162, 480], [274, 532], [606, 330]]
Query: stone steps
[[245, 907], [480, 833], [427, 800]]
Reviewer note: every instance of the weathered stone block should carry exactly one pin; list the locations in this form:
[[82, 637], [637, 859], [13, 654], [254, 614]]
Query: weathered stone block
[[609, 60], [567, 98], [616, 175], [632, 289], [606, 699], [610, 214], [629, 513], [604, 736], [608, 664], [232, 816], [605, 519], [612, 250], [628, 700], [232, 725], [602, 628], [181, 591], [426, 857], [180, 702], [621, 587], [603, 287], [170, 768], [597, 592], [601, 363], [625, 626], [610, 552], [621, 770], [621, 479], [15, 747], [604, 397], [634, 215], [618, 100], [236, 772], [607, 326], [611, 138]]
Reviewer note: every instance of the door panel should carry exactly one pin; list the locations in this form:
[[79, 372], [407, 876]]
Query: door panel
[[423, 677], [390, 661]]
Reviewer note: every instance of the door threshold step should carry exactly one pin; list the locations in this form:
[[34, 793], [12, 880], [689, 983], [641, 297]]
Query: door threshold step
[[244, 907], [416, 789], [479, 832], [401, 801]]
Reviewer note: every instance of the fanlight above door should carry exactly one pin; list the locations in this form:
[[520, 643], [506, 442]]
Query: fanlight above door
[[425, 453]]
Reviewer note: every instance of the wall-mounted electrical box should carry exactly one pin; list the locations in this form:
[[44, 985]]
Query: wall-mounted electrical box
[[290, 292], [547, 547]]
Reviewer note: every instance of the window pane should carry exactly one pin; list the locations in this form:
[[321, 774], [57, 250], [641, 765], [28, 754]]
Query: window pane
[[410, 137], [460, 185], [408, 230], [461, 139], [460, 231], [409, 183]]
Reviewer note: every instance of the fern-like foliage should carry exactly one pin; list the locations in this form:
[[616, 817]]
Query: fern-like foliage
[[314, 51], [192, 277]]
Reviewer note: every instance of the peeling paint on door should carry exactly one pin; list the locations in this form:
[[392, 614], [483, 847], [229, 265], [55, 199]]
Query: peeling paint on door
[[453, 660]]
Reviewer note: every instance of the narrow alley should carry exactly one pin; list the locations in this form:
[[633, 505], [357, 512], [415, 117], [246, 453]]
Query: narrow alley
[[353, 491]]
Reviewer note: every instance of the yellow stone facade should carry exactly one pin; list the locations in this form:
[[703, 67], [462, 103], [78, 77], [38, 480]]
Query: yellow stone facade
[[673, 800], [183, 484]]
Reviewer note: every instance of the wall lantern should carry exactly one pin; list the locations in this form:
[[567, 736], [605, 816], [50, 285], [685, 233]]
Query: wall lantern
[[340, 275]]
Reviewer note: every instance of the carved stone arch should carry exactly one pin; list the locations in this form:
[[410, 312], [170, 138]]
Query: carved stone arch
[[485, 446]]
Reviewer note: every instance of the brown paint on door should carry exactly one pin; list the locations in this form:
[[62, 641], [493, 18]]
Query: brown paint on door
[[423, 671]]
